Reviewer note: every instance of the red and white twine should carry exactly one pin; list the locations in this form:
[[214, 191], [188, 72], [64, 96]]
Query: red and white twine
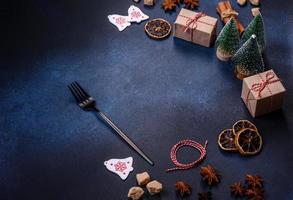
[[191, 143]]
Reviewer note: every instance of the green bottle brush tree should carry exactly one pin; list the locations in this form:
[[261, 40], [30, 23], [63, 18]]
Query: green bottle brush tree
[[256, 26], [248, 59], [227, 42]]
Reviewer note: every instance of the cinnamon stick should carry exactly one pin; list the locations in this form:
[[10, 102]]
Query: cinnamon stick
[[225, 7]]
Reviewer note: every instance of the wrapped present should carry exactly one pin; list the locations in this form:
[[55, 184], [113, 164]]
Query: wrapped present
[[262, 93], [195, 27]]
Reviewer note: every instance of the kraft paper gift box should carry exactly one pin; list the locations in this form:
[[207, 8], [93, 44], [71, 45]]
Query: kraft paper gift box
[[262, 93], [195, 27]]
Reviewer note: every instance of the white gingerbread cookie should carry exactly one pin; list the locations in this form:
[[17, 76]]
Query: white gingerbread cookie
[[136, 15], [121, 22], [121, 167]]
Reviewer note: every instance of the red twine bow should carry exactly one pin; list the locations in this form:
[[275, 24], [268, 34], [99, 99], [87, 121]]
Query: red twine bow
[[192, 22], [259, 87]]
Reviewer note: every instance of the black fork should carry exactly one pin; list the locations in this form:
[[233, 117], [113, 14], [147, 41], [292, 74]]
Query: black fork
[[88, 103]]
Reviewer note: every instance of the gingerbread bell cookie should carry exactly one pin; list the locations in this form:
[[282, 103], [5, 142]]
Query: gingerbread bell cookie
[[121, 167], [158, 29]]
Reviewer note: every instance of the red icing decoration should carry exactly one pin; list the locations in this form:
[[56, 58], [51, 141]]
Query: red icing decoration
[[135, 14], [120, 166], [120, 20]]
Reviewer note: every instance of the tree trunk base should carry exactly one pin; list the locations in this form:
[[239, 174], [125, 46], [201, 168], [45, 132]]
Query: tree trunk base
[[240, 74], [221, 56]]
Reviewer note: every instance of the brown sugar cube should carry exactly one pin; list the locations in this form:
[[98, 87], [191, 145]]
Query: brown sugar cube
[[135, 193], [149, 2], [154, 187], [143, 178]]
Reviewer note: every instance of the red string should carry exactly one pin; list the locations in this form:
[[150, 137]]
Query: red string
[[192, 22], [259, 87], [191, 143]]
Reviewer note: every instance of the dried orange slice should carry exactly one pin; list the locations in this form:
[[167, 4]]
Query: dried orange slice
[[248, 141], [226, 140], [242, 124]]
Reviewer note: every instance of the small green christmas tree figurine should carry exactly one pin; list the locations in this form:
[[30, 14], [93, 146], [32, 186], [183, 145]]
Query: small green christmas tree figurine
[[256, 26], [228, 41], [248, 59]]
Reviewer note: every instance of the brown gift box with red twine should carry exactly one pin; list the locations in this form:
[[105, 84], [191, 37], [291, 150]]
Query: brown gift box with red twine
[[263, 93], [195, 27]]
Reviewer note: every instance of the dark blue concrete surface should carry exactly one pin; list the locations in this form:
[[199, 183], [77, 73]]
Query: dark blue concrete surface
[[158, 92]]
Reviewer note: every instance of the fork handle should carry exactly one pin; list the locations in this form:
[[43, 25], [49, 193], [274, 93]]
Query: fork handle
[[124, 137]]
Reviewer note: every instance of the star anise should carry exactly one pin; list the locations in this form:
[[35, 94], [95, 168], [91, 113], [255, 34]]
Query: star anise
[[210, 175], [255, 194], [191, 4], [205, 196], [183, 188], [237, 190], [254, 181], [169, 5]]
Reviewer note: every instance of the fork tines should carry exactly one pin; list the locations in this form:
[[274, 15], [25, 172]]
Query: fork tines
[[78, 92]]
